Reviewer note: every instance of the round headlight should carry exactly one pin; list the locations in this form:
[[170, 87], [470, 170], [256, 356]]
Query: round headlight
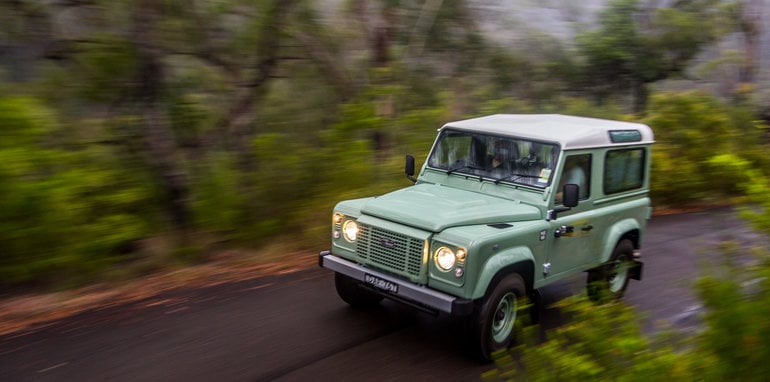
[[445, 259], [350, 230]]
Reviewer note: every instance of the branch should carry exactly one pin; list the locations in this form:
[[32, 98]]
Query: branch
[[240, 116], [327, 64], [424, 23]]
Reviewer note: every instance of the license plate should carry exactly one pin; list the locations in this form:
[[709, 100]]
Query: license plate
[[380, 283]]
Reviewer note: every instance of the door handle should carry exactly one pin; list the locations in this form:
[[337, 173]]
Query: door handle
[[587, 228], [563, 230]]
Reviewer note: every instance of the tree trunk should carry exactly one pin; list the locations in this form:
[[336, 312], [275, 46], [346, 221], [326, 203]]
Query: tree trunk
[[157, 134], [239, 121], [751, 27], [329, 65], [420, 31], [641, 95], [377, 27]]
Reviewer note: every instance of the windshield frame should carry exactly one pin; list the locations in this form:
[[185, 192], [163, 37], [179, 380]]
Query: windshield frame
[[530, 163]]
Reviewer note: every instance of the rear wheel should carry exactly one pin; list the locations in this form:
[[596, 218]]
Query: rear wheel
[[493, 325], [352, 292], [609, 281]]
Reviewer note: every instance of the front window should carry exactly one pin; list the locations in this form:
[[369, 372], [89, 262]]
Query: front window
[[500, 159]]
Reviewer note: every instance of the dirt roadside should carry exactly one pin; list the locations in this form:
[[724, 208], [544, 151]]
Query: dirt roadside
[[20, 314]]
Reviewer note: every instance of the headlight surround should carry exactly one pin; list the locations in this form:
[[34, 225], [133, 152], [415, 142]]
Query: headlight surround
[[445, 259], [350, 230]]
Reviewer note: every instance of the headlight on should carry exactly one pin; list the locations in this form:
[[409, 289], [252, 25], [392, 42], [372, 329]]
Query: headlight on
[[445, 259], [350, 230]]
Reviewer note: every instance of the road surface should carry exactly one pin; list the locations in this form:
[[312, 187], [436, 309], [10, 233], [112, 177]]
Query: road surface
[[293, 327]]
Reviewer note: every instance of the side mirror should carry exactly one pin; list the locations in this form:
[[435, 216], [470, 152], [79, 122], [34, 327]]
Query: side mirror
[[571, 195], [409, 168], [570, 198]]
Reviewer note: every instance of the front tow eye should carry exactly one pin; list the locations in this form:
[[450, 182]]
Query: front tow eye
[[564, 230]]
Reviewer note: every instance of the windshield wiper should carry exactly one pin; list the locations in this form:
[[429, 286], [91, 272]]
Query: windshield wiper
[[515, 177], [463, 167]]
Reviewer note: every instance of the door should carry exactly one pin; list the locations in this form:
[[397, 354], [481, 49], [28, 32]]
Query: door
[[571, 235]]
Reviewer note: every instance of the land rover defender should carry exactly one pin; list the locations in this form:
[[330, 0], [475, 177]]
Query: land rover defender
[[503, 205]]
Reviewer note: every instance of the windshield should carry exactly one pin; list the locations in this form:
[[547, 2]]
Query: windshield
[[501, 159]]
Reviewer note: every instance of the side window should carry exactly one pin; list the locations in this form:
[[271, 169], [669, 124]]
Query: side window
[[623, 170], [577, 170]]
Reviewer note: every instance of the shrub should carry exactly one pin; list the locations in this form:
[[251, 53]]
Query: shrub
[[605, 342], [700, 155], [64, 214]]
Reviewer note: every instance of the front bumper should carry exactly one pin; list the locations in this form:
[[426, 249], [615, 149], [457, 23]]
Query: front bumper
[[411, 294]]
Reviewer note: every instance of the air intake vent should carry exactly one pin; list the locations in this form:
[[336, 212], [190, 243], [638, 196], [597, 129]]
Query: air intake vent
[[391, 251]]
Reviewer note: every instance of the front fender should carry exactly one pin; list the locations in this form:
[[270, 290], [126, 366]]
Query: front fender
[[517, 259]]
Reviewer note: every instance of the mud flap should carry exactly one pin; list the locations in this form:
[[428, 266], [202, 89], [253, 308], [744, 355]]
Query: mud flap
[[636, 270]]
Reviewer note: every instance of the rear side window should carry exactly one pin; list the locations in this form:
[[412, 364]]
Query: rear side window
[[623, 170]]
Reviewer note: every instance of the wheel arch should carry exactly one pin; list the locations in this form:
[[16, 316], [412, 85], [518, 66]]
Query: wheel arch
[[625, 229], [515, 260]]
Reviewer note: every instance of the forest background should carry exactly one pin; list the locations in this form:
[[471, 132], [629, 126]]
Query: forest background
[[137, 134]]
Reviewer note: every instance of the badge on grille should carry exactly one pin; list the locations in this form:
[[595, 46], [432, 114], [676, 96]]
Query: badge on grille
[[388, 243]]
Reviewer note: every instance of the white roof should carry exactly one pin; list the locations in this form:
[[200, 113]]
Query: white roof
[[569, 131]]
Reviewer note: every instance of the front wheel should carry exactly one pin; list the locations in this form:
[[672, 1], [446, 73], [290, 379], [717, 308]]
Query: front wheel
[[609, 281], [493, 324]]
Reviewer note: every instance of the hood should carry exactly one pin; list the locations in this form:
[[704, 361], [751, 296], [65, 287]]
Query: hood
[[436, 208]]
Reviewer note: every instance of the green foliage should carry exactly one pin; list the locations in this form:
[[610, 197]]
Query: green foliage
[[539, 72], [736, 345], [64, 214], [635, 46], [601, 342], [216, 204], [273, 113], [104, 74], [605, 342], [700, 154], [757, 189]]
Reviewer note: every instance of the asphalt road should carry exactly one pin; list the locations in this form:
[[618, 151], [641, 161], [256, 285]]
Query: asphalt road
[[293, 327]]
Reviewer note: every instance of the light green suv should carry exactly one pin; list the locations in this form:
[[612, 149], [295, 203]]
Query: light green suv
[[504, 205]]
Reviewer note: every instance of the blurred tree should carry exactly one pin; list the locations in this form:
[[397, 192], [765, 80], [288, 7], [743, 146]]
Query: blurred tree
[[248, 119], [636, 45], [148, 97], [540, 71], [140, 43], [64, 214], [376, 21], [738, 54], [705, 148], [748, 16]]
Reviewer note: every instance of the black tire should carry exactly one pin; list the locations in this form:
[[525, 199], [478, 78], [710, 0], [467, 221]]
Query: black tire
[[352, 292], [609, 281], [493, 325]]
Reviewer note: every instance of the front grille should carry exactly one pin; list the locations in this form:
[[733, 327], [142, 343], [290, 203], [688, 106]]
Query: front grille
[[391, 251]]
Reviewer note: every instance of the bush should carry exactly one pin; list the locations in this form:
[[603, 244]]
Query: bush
[[65, 214], [736, 344], [601, 342], [701, 154], [605, 342]]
